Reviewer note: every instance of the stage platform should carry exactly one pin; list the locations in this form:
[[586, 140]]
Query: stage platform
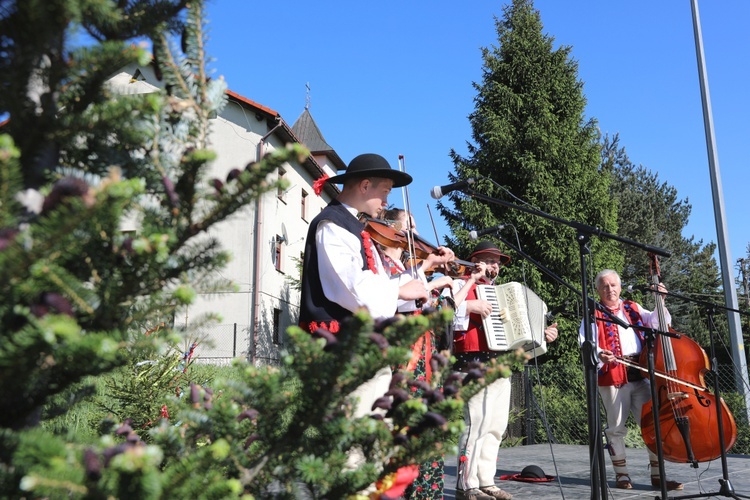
[[573, 480]]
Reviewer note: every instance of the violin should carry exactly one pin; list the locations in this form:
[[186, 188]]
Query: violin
[[460, 268], [385, 234], [389, 235], [455, 268], [689, 416]]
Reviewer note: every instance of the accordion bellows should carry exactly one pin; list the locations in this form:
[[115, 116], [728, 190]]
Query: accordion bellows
[[524, 323]]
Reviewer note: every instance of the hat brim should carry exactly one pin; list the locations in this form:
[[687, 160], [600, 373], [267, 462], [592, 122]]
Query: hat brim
[[519, 477], [504, 259], [399, 178]]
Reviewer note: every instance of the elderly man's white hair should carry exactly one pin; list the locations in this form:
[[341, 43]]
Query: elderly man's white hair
[[606, 272]]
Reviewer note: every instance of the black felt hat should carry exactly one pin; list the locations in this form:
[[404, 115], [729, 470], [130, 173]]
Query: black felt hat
[[529, 474], [487, 247], [371, 165]]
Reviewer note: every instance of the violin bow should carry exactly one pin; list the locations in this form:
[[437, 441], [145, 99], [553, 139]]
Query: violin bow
[[470, 265], [429, 211], [434, 229], [407, 207]]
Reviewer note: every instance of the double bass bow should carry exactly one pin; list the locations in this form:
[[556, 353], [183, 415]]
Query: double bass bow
[[687, 412]]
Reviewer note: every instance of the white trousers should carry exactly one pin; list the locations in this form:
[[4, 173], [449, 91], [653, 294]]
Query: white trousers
[[370, 391], [618, 403], [486, 417], [366, 394]]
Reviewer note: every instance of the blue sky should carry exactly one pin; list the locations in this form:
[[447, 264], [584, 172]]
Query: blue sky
[[395, 78]]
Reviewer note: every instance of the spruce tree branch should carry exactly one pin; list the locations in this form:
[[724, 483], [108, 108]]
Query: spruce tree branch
[[196, 21], [70, 292], [167, 61], [248, 186]]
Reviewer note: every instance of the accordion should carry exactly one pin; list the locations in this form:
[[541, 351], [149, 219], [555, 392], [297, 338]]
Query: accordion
[[524, 323]]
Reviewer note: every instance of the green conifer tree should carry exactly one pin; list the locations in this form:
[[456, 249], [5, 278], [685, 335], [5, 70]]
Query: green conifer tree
[[532, 141], [80, 294], [651, 212]]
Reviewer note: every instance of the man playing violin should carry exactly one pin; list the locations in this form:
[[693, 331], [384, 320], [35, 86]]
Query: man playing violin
[[342, 270], [487, 412], [623, 390]]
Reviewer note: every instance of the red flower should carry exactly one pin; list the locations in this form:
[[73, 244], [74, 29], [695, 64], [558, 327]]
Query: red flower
[[313, 326], [397, 482], [368, 252], [463, 458], [318, 184], [164, 412]]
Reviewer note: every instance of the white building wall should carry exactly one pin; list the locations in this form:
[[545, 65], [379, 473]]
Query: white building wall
[[325, 163], [235, 137], [282, 216]]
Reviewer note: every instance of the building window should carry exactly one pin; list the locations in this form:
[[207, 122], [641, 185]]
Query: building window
[[278, 241], [276, 334], [281, 190], [303, 205]]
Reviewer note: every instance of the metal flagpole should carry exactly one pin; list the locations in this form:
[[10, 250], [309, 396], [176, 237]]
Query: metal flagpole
[[730, 294]]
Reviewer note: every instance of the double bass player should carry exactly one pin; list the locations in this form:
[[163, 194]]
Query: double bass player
[[623, 390]]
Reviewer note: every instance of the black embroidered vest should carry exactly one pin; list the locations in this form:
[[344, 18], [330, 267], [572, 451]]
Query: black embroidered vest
[[315, 308]]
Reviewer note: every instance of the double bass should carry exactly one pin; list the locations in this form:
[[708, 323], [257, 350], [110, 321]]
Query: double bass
[[688, 416]]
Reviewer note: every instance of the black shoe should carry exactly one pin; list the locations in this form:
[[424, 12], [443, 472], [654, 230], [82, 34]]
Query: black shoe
[[671, 485]]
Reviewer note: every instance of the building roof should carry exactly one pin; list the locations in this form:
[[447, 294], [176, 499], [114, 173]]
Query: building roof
[[309, 134], [268, 111], [287, 134]]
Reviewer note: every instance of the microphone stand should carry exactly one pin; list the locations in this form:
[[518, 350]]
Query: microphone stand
[[537, 264], [726, 489], [588, 348], [650, 337]]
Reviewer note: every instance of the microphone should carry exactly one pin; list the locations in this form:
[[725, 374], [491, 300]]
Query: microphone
[[476, 234], [639, 288], [440, 191]]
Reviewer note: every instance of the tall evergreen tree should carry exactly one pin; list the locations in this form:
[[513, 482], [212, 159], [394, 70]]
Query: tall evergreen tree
[[532, 141]]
